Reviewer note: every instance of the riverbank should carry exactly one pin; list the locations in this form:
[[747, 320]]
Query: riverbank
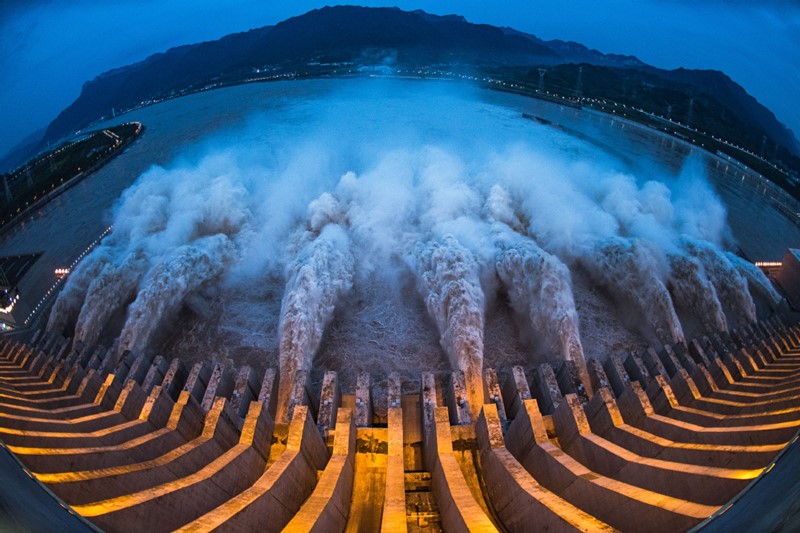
[[119, 145]]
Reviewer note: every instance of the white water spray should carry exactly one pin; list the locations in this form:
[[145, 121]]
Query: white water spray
[[730, 284], [628, 268], [539, 285], [756, 279], [166, 286], [113, 288], [320, 275], [692, 289], [70, 299], [449, 281]]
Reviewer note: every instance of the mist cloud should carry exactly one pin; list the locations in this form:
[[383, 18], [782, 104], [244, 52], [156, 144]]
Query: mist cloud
[[366, 194]]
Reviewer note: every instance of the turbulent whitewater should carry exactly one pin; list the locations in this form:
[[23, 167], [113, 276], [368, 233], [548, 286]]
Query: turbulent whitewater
[[284, 241], [320, 275]]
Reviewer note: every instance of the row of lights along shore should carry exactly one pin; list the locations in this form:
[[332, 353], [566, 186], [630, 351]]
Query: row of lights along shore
[[61, 274]]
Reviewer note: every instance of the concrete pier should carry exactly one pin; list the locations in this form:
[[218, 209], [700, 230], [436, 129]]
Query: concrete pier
[[659, 441]]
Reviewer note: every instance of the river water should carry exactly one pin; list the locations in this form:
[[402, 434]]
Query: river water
[[379, 330]]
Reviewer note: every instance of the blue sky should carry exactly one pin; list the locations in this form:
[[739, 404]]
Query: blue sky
[[48, 49]]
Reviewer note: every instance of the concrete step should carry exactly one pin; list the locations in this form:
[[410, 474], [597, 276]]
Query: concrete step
[[146, 447], [81, 487], [115, 434], [665, 402], [519, 500], [606, 420], [704, 485], [275, 497], [637, 410], [63, 413], [84, 424], [168, 506], [621, 504]]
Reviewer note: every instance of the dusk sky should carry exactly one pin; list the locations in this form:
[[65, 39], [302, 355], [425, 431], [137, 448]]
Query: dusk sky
[[48, 49]]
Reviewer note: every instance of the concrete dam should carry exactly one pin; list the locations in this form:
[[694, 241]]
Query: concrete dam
[[658, 441], [434, 315]]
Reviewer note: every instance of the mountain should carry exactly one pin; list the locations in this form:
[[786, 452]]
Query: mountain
[[572, 52], [711, 82], [325, 38], [734, 97]]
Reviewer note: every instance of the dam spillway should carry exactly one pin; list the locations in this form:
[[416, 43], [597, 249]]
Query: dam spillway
[[666, 439], [441, 327]]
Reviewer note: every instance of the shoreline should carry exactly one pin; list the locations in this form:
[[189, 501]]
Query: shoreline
[[54, 193]]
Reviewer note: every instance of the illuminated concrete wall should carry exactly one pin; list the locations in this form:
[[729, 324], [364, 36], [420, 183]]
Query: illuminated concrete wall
[[661, 440]]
